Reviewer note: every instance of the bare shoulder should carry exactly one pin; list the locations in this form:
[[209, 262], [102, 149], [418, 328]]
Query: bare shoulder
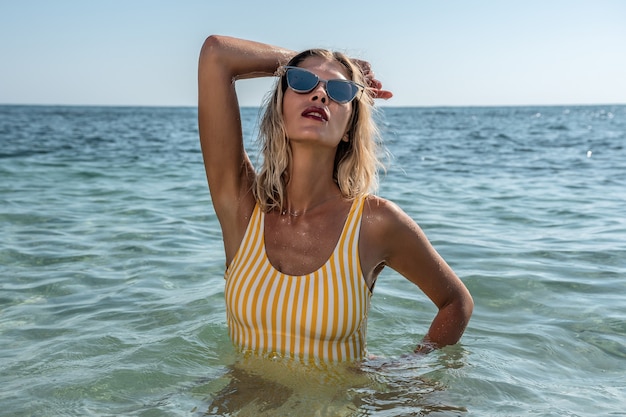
[[382, 216], [387, 233]]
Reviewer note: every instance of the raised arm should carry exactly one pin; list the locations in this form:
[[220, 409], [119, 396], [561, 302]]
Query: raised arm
[[230, 174]]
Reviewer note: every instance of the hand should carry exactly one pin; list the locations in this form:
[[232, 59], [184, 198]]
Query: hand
[[424, 348], [374, 86], [403, 363]]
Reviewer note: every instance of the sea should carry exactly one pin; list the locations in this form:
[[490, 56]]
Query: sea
[[112, 264]]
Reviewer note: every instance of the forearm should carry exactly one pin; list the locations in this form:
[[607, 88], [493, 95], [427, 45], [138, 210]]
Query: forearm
[[240, 58], [449, 324]]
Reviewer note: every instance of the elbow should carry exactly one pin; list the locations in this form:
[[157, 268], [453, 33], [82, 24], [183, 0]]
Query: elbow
[[461, 303], [468, 306], [213, 41], [211, 47], [214, 60], [451, 321], [461, 309], [465, 308]]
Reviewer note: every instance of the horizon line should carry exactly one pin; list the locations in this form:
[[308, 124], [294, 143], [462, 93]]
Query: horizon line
[[259, 106]]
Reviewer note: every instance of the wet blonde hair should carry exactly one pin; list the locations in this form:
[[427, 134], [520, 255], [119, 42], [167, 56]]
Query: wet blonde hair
[[356, 161]]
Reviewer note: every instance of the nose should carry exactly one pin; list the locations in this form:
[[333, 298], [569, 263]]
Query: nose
[[319, 92]]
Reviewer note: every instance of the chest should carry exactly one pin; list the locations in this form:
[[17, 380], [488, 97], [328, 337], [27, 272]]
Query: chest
[[300, 246]]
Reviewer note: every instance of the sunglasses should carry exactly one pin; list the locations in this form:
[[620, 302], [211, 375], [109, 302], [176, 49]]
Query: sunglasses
[[304, 81]]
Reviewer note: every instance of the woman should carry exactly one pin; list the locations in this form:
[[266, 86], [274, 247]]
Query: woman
[[304, 241]]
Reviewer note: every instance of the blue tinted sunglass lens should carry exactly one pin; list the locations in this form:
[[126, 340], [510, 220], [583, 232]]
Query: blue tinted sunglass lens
[[341, 91], [301, 81]]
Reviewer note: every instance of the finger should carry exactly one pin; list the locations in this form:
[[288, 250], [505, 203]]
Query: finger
[[374, 83], [382, 94], [365, 66]]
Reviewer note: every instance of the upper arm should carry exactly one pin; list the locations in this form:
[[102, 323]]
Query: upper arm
[[403, 246], [228, 168]]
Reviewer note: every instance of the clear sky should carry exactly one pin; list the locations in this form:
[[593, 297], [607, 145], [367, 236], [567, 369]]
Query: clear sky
[[429, 53]]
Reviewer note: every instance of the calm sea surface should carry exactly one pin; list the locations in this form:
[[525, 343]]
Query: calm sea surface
[[111, 270]]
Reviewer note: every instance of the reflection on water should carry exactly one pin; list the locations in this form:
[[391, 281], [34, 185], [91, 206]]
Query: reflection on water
[[411, 385]]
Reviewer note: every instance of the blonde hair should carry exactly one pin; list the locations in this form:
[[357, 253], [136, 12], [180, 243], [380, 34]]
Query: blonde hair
[[356, 161]]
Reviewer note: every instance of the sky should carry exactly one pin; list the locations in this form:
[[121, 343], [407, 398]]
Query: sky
[[428, 53]]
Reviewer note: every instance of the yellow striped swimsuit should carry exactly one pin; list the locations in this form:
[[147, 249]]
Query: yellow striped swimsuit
[[322, 315]]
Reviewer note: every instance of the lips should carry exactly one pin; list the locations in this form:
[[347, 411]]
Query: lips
[[316, 113]]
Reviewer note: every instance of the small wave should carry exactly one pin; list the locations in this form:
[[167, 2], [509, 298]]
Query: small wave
[[558, 127]]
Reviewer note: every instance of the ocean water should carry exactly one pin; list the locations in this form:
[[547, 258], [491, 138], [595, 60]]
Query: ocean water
[[111, 270]]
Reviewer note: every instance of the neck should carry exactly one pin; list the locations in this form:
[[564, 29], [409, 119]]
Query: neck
[[310, 183]]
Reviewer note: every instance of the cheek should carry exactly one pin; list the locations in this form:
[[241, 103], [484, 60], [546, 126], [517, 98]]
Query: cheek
[[287, 109], [286, 114], [346, 117]]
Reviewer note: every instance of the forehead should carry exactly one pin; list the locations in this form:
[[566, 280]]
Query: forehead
[[325, 68]]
